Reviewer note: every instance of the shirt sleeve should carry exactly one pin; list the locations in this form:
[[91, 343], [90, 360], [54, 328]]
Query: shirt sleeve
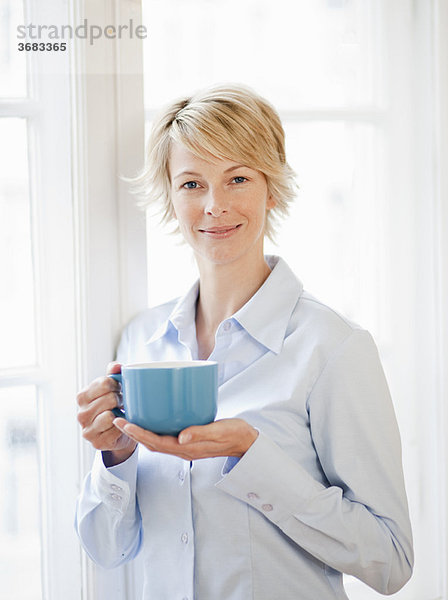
[[358, 523], [108, 519]]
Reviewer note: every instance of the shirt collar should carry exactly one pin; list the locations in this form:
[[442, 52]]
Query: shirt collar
[[182, 317], [265, 316]]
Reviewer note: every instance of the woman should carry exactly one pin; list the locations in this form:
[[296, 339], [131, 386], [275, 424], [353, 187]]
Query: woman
[[300, 477]]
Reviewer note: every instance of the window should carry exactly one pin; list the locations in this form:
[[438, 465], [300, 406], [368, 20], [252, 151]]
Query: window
[[38, 437], [20, 502]]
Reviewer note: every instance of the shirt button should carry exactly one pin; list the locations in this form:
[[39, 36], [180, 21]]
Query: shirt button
[[181, 476], [184, 538], [253, 496], [267, 507], [115, 497], [227, 326], [116, 488]]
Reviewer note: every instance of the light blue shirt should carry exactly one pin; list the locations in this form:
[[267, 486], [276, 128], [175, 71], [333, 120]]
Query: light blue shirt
[[318, 494]]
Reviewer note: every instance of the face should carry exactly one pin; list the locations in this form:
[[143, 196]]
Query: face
[[220, 206]]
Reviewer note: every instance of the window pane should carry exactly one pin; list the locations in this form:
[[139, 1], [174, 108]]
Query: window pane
[[17, 321], [20, 568], [12, 62], [297, 54]]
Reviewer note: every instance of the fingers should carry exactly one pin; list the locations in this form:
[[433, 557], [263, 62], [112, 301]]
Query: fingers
[[99, 387], [201, 433], [96, 419], [166, 444], [89, 412], [206, 440], [227, 437], [102, 395], [113, 367], [148, 438], [101, 432]]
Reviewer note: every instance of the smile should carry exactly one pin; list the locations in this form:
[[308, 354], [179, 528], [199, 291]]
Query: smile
[[221, 232]]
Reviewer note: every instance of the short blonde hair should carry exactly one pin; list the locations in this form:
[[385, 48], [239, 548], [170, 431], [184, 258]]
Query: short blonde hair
[[230, 122]]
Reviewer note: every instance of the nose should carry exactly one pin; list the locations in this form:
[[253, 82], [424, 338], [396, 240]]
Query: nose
[[216, 204]]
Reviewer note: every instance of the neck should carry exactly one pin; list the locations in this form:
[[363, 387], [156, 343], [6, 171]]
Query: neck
[[224, 289]]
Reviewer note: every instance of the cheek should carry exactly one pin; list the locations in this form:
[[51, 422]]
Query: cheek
[[183, 213], [177, 208]]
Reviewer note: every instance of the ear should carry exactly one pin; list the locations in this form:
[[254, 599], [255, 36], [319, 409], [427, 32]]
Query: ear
[[271, 202]]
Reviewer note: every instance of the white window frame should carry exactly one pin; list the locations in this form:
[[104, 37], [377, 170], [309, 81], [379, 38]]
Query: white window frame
[[440, 251], [108, 142]]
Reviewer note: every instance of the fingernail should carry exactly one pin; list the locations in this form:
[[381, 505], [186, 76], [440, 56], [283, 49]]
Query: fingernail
[[184, 438]]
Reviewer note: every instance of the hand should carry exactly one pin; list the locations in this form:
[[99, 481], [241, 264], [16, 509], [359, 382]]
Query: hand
[[96, 419], [227, 437]]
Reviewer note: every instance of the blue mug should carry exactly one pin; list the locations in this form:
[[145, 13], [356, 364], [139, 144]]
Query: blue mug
[[166, 397]]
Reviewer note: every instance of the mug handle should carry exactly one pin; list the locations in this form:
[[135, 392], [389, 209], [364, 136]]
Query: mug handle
[[117, 411]]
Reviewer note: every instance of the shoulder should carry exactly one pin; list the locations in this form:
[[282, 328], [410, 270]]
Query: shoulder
[[324, 327], [322, 315], [341, 354], [311, 325]]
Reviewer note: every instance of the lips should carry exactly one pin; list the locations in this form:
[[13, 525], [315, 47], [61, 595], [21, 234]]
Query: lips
[[222, 229]]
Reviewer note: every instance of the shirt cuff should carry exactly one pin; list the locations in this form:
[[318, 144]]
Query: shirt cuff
[[270, 481], [115, 486]]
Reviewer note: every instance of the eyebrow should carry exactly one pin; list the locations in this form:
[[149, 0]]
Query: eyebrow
[[183, 173]]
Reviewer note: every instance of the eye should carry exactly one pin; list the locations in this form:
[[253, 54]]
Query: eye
[[190, 185], [240, 179]]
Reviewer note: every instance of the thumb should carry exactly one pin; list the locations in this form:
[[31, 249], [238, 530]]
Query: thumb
[[197, 433], [113, 367]]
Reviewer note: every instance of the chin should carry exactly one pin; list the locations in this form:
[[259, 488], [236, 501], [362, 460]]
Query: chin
[[225, 256], [224, 252], [218, 257]]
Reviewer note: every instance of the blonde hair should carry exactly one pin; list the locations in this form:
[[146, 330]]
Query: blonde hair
[[229, 122]]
